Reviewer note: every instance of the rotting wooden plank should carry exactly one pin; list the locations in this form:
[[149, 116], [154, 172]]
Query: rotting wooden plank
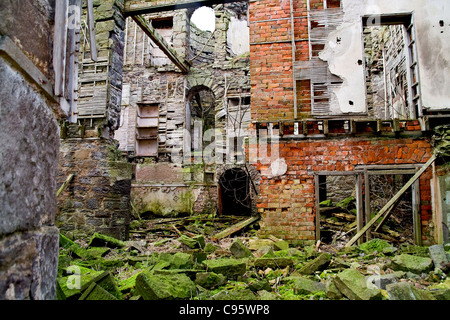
[[91, 22], [182, 64], [59, 46], [367, 208], [317, 205], [235, 228], [387, 215], [65, 184], [392, 201], [416, 213], [359, 204]]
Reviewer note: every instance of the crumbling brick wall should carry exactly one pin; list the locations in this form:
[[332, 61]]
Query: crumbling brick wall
[[287, 203]]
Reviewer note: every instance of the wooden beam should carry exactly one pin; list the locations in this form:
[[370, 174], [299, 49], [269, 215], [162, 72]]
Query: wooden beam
[[65, 184], [59, 45], [317, 205], [391, 172], [234, 228], [387, 166], [416, 213], [91, 24], [367, 208], [392, 201], [387, 215], [174, 5], [359, 204], [334, 173], [182, 64]]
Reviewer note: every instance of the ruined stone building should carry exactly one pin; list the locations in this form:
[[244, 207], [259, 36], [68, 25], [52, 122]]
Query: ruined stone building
[[284, 105]]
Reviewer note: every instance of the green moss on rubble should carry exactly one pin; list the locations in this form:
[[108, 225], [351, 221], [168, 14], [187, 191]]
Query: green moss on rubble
[[374, 245], [101, 240], [73, 285], [164, 287]]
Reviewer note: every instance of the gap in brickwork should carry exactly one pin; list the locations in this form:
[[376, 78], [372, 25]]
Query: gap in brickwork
[[234, 193], [391, 72], [204, 18]]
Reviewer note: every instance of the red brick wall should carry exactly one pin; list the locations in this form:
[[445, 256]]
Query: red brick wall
[[287, 203], [271, 67]]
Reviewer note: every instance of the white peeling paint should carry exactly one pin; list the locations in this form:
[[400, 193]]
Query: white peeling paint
[[433, 45]]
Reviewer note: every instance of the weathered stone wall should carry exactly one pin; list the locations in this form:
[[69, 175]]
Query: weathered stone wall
[[98, 198], [29, 153], [214, 68]]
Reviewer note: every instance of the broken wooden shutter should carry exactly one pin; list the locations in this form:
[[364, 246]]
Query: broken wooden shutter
[[66, 48]]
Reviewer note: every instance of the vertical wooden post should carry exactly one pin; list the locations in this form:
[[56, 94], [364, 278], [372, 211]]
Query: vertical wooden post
[[316, 194], [91, 24], [359, 205], [437, 207], [367, 209], [417, 225], [60, 44]]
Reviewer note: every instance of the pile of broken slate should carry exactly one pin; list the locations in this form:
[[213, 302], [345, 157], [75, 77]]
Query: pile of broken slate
[[251, 269]]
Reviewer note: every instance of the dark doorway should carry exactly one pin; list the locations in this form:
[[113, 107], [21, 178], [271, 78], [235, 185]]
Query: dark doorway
[[234, 193]]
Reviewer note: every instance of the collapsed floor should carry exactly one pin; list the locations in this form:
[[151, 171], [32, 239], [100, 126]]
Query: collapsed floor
[[201, 258]]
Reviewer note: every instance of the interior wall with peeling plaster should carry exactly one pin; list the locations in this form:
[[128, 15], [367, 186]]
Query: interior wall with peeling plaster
[[432, 27]]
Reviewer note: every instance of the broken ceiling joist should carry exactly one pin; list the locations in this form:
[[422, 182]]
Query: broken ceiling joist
[[182, 64], [149, 7]]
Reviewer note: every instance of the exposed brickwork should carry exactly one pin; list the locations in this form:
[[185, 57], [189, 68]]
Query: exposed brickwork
[[271, 65], [287, 203]]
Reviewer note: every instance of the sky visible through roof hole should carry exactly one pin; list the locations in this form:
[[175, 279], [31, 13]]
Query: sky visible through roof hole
[[204, 18]]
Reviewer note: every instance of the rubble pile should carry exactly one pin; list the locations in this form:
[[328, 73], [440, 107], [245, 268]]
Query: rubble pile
[[192, 266]]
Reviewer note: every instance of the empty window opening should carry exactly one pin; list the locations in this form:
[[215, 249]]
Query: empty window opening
[[164, 27], [399, 227], [392, 82], [234, 193], [201, 116], [204, 18], [337, 205]]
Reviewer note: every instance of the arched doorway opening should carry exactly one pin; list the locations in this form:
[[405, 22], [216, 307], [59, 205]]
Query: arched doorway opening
[[234, 193]]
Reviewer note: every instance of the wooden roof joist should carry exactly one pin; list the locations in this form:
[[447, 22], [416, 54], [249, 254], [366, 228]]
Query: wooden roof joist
[[149, 7], [182, 64]]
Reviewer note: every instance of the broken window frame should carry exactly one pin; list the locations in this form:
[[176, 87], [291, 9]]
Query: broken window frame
[[359, 197], [363, 210], [406, 20]]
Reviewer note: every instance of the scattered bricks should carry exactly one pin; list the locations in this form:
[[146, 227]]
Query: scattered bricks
[[438, 255], [273, 263], [230, 268], [238, 250], [319, 263], [307, 286], [353, 285], [404, 291], [415, 264]]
